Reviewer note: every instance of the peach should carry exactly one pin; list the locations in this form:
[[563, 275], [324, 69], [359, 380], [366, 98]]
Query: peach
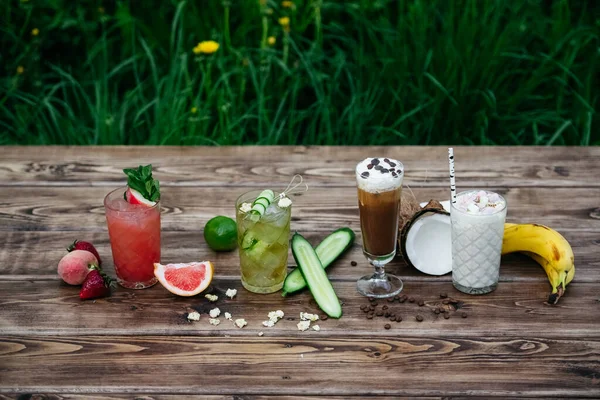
[[74, 267]]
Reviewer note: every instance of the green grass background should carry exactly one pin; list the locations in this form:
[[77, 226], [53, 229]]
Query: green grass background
[[490, 72]]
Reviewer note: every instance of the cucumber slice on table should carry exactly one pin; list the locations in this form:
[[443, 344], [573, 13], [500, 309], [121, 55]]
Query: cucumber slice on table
[[315, 276], [328, 251]]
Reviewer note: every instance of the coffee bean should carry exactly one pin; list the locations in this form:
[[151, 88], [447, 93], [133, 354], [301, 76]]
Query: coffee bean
[[369, 316], [393, 319], [392, 164], [375, 161], [399, 170], [387, 314], [394, 174], [411, 299], [385, 171], [371, 308], [392, 315], [384, 307], [396, 297], [378, 167], [419, 318], [446, 315], [402, 300], [387, 326], [366, 310], [373, 303], [398, 318], [464, 315], [363, 307], [370, 166], [437, 311], [443, 295], [364, 175], [379, 313], [421, 303], [390, 299], [353, 263]]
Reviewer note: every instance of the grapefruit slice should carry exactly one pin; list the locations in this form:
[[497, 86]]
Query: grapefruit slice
[[134, 197], [185, 279]]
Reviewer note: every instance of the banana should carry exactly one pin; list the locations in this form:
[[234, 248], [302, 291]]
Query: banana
[[548, 248]]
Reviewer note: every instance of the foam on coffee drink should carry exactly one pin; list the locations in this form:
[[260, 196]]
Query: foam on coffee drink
[[376, 175]]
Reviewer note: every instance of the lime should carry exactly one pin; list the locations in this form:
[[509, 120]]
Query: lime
[[220, 233]]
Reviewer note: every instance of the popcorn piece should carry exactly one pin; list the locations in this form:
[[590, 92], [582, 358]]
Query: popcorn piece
[[245, 207], [194, 316], [308, 317], [227, 315], [268, 323], [284, 202], [303, 325], [316, 328], [275, 315], [215, 312], [240, 323], [231, 293], [214, 321], [212, 297], [260, 333]]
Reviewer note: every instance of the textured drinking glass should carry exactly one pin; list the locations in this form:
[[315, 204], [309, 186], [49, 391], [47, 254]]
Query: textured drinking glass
[[134, 232], [476, 248], [379, 182], [263, 245]]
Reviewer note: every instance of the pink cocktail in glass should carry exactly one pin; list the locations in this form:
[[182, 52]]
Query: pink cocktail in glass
[[134, 232]]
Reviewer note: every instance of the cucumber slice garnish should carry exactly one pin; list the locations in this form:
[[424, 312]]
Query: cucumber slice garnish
[[315, 276], [259, 206], [333, 246]]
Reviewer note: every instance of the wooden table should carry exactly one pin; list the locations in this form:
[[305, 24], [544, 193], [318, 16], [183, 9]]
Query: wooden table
[[139, 342]]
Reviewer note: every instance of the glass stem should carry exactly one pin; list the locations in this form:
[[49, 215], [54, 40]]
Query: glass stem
[[379, 270]]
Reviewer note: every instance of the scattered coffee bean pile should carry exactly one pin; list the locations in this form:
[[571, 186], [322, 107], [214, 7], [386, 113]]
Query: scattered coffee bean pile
[[442, 307]]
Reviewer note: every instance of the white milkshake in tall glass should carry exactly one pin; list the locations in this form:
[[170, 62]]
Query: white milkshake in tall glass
[[477, 230]]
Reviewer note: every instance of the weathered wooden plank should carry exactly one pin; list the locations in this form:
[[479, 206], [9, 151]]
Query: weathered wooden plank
[[53, 308], [188, 396], [187, 208], [323, 166], [493, 366], [35, 255]]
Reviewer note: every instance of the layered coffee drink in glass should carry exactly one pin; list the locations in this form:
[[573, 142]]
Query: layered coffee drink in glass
[[379, 182]]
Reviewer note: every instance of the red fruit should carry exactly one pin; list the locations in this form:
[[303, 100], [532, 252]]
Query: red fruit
[[87, 246], [134, 197], [75, 266], [96, 285]]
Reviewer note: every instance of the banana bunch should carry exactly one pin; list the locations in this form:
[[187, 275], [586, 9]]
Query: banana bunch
[[546, 247]]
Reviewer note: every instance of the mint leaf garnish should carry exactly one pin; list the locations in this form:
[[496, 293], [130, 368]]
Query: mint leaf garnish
[[141, 180]]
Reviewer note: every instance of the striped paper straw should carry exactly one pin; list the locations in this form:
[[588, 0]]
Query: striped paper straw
[[452, 181]]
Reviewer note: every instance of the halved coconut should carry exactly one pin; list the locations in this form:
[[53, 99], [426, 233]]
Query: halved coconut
[[425, 240]]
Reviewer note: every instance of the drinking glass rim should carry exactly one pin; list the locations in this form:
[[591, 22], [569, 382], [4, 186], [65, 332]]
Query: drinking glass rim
[[124, 188], [454, 207]]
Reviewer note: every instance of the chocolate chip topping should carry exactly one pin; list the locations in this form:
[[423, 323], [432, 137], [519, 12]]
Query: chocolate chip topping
[[395, 175], [370, 166], [384, 171], [364, 175], [378, 167], [375, 161]]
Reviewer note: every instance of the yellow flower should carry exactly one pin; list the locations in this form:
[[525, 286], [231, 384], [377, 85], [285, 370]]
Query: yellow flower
[[284, 21], [206, 47], [35, 32], [194, 110], [20, 69], [287, 4], [272, 40]]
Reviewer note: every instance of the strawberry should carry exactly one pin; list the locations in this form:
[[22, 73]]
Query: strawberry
[[96, 285], [87, 246]]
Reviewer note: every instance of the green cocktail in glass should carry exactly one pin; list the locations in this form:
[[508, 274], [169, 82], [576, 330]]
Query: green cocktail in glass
[[263, 242]]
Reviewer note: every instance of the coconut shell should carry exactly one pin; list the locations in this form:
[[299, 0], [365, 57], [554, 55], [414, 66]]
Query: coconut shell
[[404, 232], [408, 207]]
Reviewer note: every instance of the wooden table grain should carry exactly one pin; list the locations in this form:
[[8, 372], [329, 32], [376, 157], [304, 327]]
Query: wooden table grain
[[139, 343]]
